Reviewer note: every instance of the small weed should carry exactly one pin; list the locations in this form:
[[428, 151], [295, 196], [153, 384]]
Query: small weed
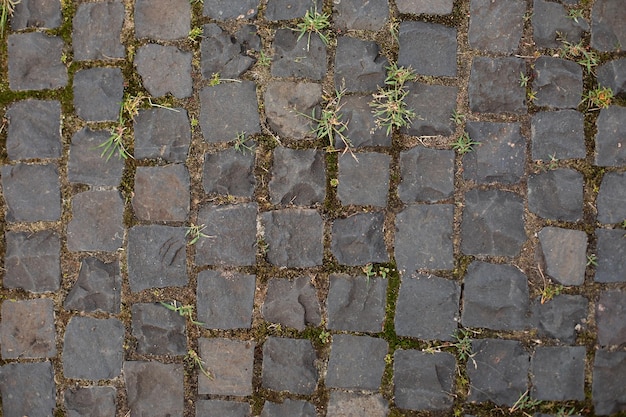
[[592, 260], [549, 291], [240, 143], [457, 118], [335, 182], [554, 162], [464, 144], [216, 79], [324, 337], [330, 124], [531, 96], [462, 345], [194, 2], [264, 60], [195, 34], [314, 22], [194, 121], [370, 271], [115, 142], [527, 16], [580, 53], [575, 14], [523, 79], [524, 402], [562, 412], [598, 98], [193, 356], [7, 7], [194, 232], [390, 109], [182, 310]]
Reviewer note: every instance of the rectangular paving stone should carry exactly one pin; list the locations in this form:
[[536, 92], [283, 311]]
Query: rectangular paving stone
[[348, 404], [287, 103], [550, 23], [560, 317], [433, 105], [356, 304], [164, 68], [34, 129], [36, 14], [607, 29], [161, 193], [298, 177], [611, 254], [359, 240], [154, 389], [229, 172], [162, 133], [97, 221], [38, 400], [27, 329], [91, 401], [222, 408], [87, 165], [363, 179], [292, 303], [290, 9], [228, 55], [557, 134], [359, 65], [98, 287], [494, 85], [428, 48], [611, 197], [34, 62], [32, 261], [556, 194], [558, 83], [356, 362], [361, 128], [558, 373], [354, 14], [234, 9], [298, 56], [564, 253], [437, 7], [426, 175], [496, 26], [98, 93], [610, 312], [289, 365], [288, 408], [225, 299], [96, 31], [610, 147], [162, 19], [230, 363], [158, 330], [32, 192], [609, 382]]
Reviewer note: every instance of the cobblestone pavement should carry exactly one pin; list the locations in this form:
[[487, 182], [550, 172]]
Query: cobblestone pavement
[[230, 264]]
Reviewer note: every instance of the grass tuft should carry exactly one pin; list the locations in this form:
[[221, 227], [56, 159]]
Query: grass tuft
[[389, 106]]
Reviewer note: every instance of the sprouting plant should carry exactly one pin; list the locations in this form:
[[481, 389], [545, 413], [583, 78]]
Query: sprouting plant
[[7, 7], [575, 14], [383, 271], [598, 98], [334, 182], [457, 118], [523, 79], [524, 402], [215, 79], [240, 143], [462, 345], [580, 53], [115, 142], [464, 144], [390, 108], [324, 337], [548, 291], [182, 310], [532, 96], [191, 354], [368, 270], [264, 60], [195, 34], [592, 260], [314, 22], [194, 121], [194, 232], [562, 412]]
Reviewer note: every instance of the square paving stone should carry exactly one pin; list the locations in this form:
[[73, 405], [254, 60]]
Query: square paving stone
[[557, 134], [356, 304], [495, 296], [501, 371], [226, 54], [158, 330], [423, 381], [295, 56], [356, 15], [550, 23], [154, 389], [157, 257], [359, 239], [558, 82], [564, 253], [613, 75], [162, 133], [610, 149], [361, 129], [225, 299], [607, 25], [359, 66], [289, 365], [560, 317], [90, 401], [287, 105], [228, 109], [162, 19], [424, 238], [162, 193], [98, 288], [611, 198], [558, 373], [288, 408], [356, 362], [233, 9], [496, 26], [428, 48], [609, 383], [32, 192], [611, 256], [292, 303], [32, 261], [97, 29], [426, 175], [427, 308], [230, 363], [222, 408], [86, 164], [34, 129], [294, 236], [610, 313], [97, 222], [501, 155], [363, 179], [165, 69], [425, 6], [27, 329], [493, 223], [229, 172], [36, 13], [290, 9], [36, 401], [92, 348], [433, 105], [556, 194], [98, 94], [494, 85], [349, 404], [298, 177], [34, 62]]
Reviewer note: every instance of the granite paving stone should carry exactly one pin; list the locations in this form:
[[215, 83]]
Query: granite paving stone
[[564, 252], [298, 177], [356, 362], [356, 15], [222, 408], [437, 7], [560, 317], [427, 175], [98, 94], [225, 299], [558, 83], [289, 365], [32, 261], [427, 308], [158, 330], [34, 62], [162, 19], [356, 304], [494, 85], [162, 133], [97, 30], [359, 240], [36, 14], [611, 256], [34, 129], [28, 329], [609, 384], [164, 69], [556, 194], [92, 348], [613, 75], [234, 9], [230, 363], [287, 103], [610, 312], [558, 373], [361, 128], [292, 303], [428, 48], [363, 179], [154, 389], [91, 401], [359, 65], [350, 404], [433, 105], [290, 9], [36, 401], [610, 149], [223, 53], [557, 134], [162, 193], [607, 25], [32, 192], [298, 56], [496, 26], [86, 165], [97, 222], [229, 172], [288, 408], [98, 288], [550, 23]]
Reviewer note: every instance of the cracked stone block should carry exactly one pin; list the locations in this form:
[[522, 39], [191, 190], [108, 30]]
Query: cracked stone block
[[158, 330], [359, 66], [609, 384], [440, 7], [86, 165], [229, 172], [427, 308], [222, 408], [98, 93], [607, 25], [287, 105], [290, 9], [225, 299], [363, 179], [230, 363], [359, 240], [556, 194], [356, 304], [361, 128], [294, 237], [558, 83], [233, 9], [423, 381], [228, 109], [559, 317], [356, 15], [162, 193], [494, 85], [292, 303], [288, 408], [613, 75], [27, 329], [348, 404], [97, 222], [496, 26], [433, 105], [90, 401], [226, 54], [557, 134], [501, 155], [298, 177], [98, 288], [610, 312], [428, 48], [162, 133], [32, 261], [295, 56], [426, 175], [501, 374], [157, 257], [564, 253], [289, 365], [154, 389], [611, 251], [97, 30], [550, 19], [165, 69], [92, 348], [493, 223], [36, 14], [356, 362], [32, 192], [610, 149], [165, 20], [34, 129], [34, 62], [424, 238], [558, 373], [38, 400]]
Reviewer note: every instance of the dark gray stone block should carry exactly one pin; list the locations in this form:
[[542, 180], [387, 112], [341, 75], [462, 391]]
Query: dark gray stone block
[[287, 105], [290, 9], [610, 312], [556, 194], [425, 6], [234, 9], [607, 26], [356, 15], [230, 363], [558, 83], [165, 69], [494, 85], [611, 256], [294, 237], [288, 408], [229, 172], [161, 193], [32, 192], [610, 151], [428, 48], [292, 303], [613, 75], [550, 19], [223, 53], [225, 299], [86, 165], [34, 129], [158, 330], [426, 175], [361, 128], [36, 14], [222, 408], [162, 133], [27, 329], [560, 317], [496, 26], [98, 94], [564, 253], [98, 288], [90, 401], [97, 222], [356, 362], [356, 304], [359, 66], [289, 365], [433, 105], [295, 56], [557, 134], [359, 240], [34, 62], [348, 404], [36, 401], [154, 389], [363, 179], [558, 373], [32, 261], [162, 19], [97, 30], [609, 384], [298, 177]]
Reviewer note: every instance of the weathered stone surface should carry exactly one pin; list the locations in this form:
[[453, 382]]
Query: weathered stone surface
[[222, 408], [361, 128], [425, 6], [97, 29], [564, 253], [298, 177], [233, 9], [607, 25], [610, 146], [613, 75], [356, 362], [292, 303], [162, 133], [423, 381], [27, 329], [295, 56], [92, 348], [424, 238], [32, 261], [611, 251], [551, 22], [433, 105], [558, 82], [560, 317], [349, 404], [609, 385], [162, 19], [610, 312], [428, 48], [225, 299], [165, 69], [558, 373], [90, 401], [230, 363], [288, 408], [98, 93], [287, 102], [426, 175], [154, 389], [359, 66], [98, 288], [363, 179], [290, 9], [34, 62], [225, 54], [496, 26], [289, 365], [36, 13], [161, 193], [556, 194], [294, 237], [158, 330], [229, 172], [557, 134], [356, 304], [97, 222], [36, 401], [86, 165], [34, 129], [427, 308], [359, 240], [356, 15], [32, 192], [494, 85]]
